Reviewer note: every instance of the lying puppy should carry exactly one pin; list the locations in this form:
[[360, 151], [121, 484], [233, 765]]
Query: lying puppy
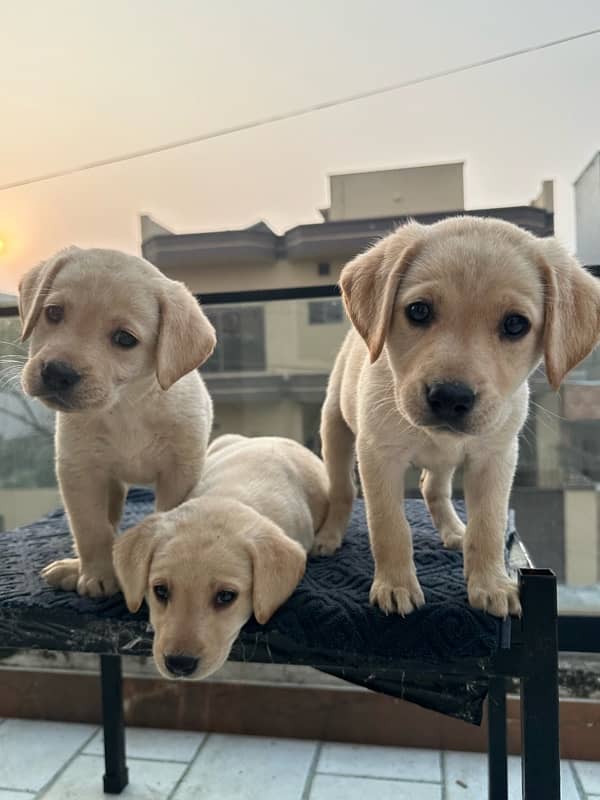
[[449, 321], [114, 350], [237, 548]]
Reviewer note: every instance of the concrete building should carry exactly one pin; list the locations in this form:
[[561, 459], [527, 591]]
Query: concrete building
[[390, 192], [587, 212], [312, 255], [277, 356]]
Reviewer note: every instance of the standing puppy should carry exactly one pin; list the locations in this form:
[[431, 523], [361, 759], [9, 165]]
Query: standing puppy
[[114, 350], [449, 321]]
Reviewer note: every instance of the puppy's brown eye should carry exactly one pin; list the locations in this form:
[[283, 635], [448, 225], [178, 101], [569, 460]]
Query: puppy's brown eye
[[124, 339], [54, 313], [515, 326], [225, 598], [161, 592], [419, 313]]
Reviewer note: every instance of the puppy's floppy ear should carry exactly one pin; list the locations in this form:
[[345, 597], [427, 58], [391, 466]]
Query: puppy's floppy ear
[[35, 285], [185, 338], [369, 284], [132, 556], [572, 311], [278, 564]]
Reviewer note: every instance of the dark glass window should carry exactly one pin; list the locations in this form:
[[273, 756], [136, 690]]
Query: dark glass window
[[240, 339], [325, 312]]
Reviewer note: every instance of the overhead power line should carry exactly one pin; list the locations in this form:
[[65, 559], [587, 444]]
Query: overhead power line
[[300, 112]]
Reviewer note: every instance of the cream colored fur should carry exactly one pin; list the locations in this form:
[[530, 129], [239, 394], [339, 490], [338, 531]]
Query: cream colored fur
[[473, 272], [139, 415], [247, 529]]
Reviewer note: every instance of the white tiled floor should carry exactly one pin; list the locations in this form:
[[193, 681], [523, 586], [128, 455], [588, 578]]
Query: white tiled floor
[[59, 761], [589, 774], [466, 778], [152, 744], [381, 762], [32, 752]]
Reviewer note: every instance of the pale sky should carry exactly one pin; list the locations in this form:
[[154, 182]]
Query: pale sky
[[87, 79]]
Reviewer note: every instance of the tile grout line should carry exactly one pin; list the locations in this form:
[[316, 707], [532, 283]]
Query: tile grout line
[[189, 765], [418, 781], [312, 771], [152, 760], [576, 780], [40, 793]]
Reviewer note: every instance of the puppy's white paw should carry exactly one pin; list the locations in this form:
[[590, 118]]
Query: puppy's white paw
[[62, 574], [452, 535], [326, 542], [498, 595], [97, 580], [397, 595]]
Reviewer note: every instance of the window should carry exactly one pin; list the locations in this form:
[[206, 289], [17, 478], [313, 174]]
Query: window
[[240, 339], [325, 312]]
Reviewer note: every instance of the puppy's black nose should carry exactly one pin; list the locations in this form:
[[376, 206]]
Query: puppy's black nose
[[58, 376], [181, 665], [450, 402]]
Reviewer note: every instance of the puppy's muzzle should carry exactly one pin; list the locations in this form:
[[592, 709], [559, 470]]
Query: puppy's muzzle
[[450, 402], [181, 666], [58, 377]]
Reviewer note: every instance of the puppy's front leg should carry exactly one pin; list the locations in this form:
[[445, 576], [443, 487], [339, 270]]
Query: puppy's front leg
[[487, 483], [395, 585], [436, 488], [93, 505]]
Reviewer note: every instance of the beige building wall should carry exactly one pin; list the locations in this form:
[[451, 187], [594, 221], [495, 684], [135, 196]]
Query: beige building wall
[[319, 344], [582, 552], [281, 335], [293, 344], [545, 197], [548, 437], [282, 417], [21, 506], [393, 192]]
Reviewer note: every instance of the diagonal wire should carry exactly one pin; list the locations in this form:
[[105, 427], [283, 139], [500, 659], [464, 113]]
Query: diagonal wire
[[295, 114]]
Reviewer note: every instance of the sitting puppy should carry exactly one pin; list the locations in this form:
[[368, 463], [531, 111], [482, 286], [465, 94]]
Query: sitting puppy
[[449, 322], [237, 548], [114, 350]]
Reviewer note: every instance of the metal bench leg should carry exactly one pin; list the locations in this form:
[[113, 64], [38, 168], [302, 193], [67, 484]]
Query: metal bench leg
[[116, 776], [497, 751], [540, 752]]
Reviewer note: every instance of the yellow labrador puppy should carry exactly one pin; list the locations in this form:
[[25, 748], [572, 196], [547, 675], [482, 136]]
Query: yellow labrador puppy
[[449, 321], [114, 350], [237, 548]]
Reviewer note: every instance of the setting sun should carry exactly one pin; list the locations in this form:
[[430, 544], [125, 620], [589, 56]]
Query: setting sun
[[2, 245]]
